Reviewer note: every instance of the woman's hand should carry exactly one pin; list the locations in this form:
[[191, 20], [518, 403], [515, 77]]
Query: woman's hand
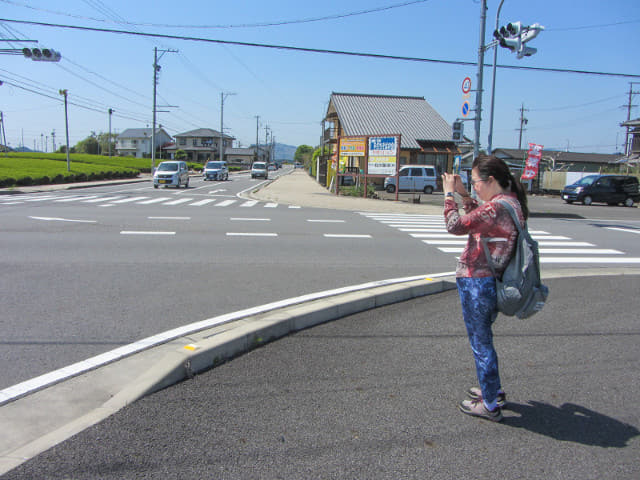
[[449, 182]]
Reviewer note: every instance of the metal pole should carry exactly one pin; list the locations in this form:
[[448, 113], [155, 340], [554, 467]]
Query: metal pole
[[66, 125], [257, 127], [478, 117], [493, 83], [220, 146], [153, 127], [109, 139]]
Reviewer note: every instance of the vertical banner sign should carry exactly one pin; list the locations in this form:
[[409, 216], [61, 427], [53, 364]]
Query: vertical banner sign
[[382, 155], [350, 147], [533, 159]]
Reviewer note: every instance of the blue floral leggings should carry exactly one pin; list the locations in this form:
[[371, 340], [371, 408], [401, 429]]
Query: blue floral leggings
[[479, 310]]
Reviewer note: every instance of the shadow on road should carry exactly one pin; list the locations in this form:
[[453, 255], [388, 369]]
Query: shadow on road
[[571, 423]]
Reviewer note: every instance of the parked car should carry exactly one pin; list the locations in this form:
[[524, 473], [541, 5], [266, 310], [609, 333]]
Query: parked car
[[421, 178], [216, 171], [272, 167], [297, 165], [173, 173], [610, 189], [259, 169]]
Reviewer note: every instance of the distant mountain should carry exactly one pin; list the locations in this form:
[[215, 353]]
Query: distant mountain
[[284, 152], [23, 149]]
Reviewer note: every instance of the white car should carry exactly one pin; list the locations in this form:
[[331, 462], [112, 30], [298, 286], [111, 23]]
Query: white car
[[174, 173], [259, 169]]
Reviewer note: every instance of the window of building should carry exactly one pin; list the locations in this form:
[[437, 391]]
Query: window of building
[[182, 141]]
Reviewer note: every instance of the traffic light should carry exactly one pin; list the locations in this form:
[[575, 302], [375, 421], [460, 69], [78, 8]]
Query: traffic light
[[458, 129], [514, 36], [42, 55]]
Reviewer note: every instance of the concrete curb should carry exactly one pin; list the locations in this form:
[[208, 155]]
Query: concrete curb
[[211, 347]]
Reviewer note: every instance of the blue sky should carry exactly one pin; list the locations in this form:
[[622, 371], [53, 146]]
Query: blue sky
[[289, 90]]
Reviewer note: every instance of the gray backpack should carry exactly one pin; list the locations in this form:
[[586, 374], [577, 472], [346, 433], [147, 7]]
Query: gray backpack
[[520, 291]]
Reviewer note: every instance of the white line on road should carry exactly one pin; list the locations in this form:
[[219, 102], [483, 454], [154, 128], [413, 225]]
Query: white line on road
[[154, 200], [55, 219], [134, 232], [271, 205], [256, 234], [225, 203], [325, 221], [582, 251], [589, 260], [203, 202], [128, 200], [628, 230], [178, 202], [249, 203], [103, 199], [345, 235]]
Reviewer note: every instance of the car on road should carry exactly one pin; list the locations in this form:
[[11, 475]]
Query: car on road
[[272, 167], [174, 173], [259, 169], [297, 165], [215, 170], [413, 178], [609, 189]]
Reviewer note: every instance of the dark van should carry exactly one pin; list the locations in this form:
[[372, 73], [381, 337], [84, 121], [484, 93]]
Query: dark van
[[609, 189]]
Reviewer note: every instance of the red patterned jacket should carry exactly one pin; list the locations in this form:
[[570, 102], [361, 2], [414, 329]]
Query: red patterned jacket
[[490, 220]]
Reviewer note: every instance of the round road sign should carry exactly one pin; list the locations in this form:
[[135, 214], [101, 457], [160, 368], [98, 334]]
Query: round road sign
[[465, 109], [466, 85]]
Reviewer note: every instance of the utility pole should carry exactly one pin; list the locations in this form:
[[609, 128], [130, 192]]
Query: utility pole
[[523, 122], [257, 128], [53, 140], [629, 106], [478, 117], [266, 142], [156, 69], [110, 111], [4, 137], [65, 92], [221, 146]]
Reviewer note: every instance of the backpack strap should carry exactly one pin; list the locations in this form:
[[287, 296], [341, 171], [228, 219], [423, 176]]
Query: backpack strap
[[516, 221]]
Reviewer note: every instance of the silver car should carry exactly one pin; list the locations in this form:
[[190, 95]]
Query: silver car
[[259, 169], [216, 171], [416, 178], [174, 173]]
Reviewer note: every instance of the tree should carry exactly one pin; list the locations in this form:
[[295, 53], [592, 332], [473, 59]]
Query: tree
[[303, 155], [181, 154], [89, 145]]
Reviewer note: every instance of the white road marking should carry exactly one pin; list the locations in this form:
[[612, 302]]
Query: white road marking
[[225, 203], [135, 232], [203, 202], [271, 205], [71, 199], [154, 200], [104, 199], [255, 234], [128, 200], [582, 251], [56, 219], [589, 260], [345, 235], [249, 203], [627, 230], [177, 202], [294, 206]]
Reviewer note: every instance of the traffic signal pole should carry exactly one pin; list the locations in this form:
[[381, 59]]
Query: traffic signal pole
[[493, 83]]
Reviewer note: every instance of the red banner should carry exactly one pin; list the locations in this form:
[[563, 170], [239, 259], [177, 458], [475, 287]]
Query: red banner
[[533, 159]]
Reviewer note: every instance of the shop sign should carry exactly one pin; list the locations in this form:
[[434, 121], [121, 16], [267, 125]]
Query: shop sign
[[353, 147]]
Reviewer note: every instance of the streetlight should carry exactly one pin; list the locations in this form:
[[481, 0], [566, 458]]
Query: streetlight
[[66, 124]]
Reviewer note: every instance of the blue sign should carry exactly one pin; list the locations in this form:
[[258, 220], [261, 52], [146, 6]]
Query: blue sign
[[465, 109]]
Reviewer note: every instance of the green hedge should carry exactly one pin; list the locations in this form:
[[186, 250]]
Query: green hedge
[[18, 169]]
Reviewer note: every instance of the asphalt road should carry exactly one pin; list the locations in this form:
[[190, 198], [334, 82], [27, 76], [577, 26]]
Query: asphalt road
[[374, 396], [76, 286]]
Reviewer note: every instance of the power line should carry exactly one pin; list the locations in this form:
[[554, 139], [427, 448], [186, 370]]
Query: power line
[[105, 10], [318, 50]]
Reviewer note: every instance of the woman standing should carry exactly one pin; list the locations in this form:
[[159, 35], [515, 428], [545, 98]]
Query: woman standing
[[486, 222]]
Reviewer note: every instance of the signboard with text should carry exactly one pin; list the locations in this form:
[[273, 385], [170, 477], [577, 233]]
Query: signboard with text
[[353, 146], [383, 152]]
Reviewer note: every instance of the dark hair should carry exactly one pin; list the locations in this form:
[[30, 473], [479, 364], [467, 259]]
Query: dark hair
[[492, 166]]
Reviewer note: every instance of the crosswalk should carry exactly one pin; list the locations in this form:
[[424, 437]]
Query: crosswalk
[[116, 200], [431, 230]]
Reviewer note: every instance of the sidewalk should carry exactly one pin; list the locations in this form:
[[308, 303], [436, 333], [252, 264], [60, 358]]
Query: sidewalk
[[298, 188]]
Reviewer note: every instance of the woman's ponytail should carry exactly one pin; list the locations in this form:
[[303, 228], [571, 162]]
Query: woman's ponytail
[[518, 189]]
